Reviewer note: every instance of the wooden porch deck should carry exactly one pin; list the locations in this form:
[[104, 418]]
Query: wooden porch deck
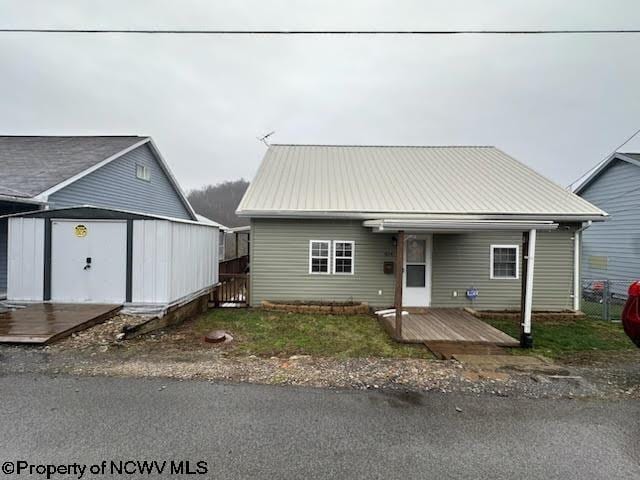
[[447, 325], [43, 323]]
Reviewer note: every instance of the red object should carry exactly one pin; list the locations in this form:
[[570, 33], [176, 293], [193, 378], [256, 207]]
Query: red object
[[631, 314]]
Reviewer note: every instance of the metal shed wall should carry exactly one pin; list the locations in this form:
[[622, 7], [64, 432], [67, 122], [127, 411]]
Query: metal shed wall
[[172, 260], [26, 259]]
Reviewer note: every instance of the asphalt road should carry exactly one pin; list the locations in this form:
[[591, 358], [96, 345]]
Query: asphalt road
[[247, 431]]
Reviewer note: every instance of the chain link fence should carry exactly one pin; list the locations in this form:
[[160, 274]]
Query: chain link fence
[[604, 299]]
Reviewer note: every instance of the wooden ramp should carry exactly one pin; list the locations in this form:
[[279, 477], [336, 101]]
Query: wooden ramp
[[448, 325], [43, 323]]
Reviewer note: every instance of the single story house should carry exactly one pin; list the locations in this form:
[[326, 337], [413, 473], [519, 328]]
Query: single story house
[[412, 226], [611, 251], [99, 220]]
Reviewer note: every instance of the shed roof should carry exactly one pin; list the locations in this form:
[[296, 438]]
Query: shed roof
[[92, 212], [365, 181], [31, 165], [213, 223]]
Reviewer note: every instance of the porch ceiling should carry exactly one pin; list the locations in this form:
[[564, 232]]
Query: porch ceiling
[[455, 225]]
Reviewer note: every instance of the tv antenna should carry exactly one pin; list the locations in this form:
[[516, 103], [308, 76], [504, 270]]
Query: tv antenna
[[265, 138]]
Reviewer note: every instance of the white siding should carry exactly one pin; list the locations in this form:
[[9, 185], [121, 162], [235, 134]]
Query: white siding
[[151, 267], [172, 260], [25, 272]]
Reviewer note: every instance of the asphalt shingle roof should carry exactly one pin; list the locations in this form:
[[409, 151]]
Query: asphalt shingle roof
[[31, 165], [325, 179]]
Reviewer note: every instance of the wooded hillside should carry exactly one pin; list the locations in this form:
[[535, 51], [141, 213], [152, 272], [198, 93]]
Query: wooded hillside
[[219, 202]]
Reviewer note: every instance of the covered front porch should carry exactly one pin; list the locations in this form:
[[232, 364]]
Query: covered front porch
[[455, 274]]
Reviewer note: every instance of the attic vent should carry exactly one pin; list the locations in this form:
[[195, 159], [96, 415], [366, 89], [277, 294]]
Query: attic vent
[[143, 173]]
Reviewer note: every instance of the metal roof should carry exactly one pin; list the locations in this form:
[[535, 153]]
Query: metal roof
[[208, 221], [31, 165], [88, 212], [366, 181]]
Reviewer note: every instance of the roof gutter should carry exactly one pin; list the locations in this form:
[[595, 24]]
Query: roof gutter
[[30, 201], [334, 215], [390, 226]]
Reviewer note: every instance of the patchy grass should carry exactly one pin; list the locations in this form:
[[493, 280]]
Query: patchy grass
[[267, 333], [567, 338]]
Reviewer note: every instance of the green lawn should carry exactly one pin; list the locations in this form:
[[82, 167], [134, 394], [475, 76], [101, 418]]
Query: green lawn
[[267, 333], [557, 339]]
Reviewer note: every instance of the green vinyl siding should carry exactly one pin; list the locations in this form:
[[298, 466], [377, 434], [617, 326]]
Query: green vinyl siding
[[280, 262], [462, 261], [280, 266], [553, 282]]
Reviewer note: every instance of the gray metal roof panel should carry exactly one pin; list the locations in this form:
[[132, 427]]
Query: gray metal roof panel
[[403, 179], [31, 165]]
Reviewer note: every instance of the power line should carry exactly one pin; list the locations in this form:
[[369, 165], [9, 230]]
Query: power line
[[615, 150], [319, 32]]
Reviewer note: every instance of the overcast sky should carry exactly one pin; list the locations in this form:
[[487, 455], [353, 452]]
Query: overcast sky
[[558, 104]]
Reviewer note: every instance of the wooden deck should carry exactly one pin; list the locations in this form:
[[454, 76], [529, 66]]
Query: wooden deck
[[43, 323], [448, 325]]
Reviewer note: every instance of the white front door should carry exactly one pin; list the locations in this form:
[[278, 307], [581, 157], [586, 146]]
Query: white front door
[[416, 289], [88, 261]]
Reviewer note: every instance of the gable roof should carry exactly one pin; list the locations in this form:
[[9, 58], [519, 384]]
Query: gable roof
[[31, 165], [365, 181], [35, 167], [632, 158]]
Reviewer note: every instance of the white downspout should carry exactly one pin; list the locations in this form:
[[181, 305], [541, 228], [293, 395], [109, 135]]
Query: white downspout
[[528, 294], [577, 238]]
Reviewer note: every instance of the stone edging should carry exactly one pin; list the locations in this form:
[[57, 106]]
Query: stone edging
[[513, 314], [302, 308]]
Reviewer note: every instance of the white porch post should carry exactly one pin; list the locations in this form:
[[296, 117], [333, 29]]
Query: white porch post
[[576, 271], [527, 340]]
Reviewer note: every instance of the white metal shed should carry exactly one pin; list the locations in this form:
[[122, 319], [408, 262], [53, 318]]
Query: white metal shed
[[96, 255]]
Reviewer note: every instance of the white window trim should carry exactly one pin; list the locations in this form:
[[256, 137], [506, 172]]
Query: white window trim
[[311, 257], [491, 275], [353, 257], [146, 177]]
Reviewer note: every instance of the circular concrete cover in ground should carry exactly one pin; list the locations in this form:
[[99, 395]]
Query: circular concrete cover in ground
[[217, 336]]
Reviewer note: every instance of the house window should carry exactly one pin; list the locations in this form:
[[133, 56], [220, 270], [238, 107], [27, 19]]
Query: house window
[[143, 173], [343, 257], [504, 262], [319, 253]]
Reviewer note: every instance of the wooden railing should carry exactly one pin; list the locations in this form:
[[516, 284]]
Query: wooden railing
[[233, 289], [234, 265]]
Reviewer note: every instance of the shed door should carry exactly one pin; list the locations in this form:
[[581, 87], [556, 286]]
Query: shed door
[[88, 261]]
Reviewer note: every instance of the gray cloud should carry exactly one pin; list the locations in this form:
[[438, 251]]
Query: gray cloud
[[558, 104]]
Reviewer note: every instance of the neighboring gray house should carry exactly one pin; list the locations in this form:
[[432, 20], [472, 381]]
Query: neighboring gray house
[[121, 178], [326, 222], [611, 251]]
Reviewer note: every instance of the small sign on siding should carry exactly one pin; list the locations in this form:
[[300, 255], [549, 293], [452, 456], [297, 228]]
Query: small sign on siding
[[80, 230], [596, 261]]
